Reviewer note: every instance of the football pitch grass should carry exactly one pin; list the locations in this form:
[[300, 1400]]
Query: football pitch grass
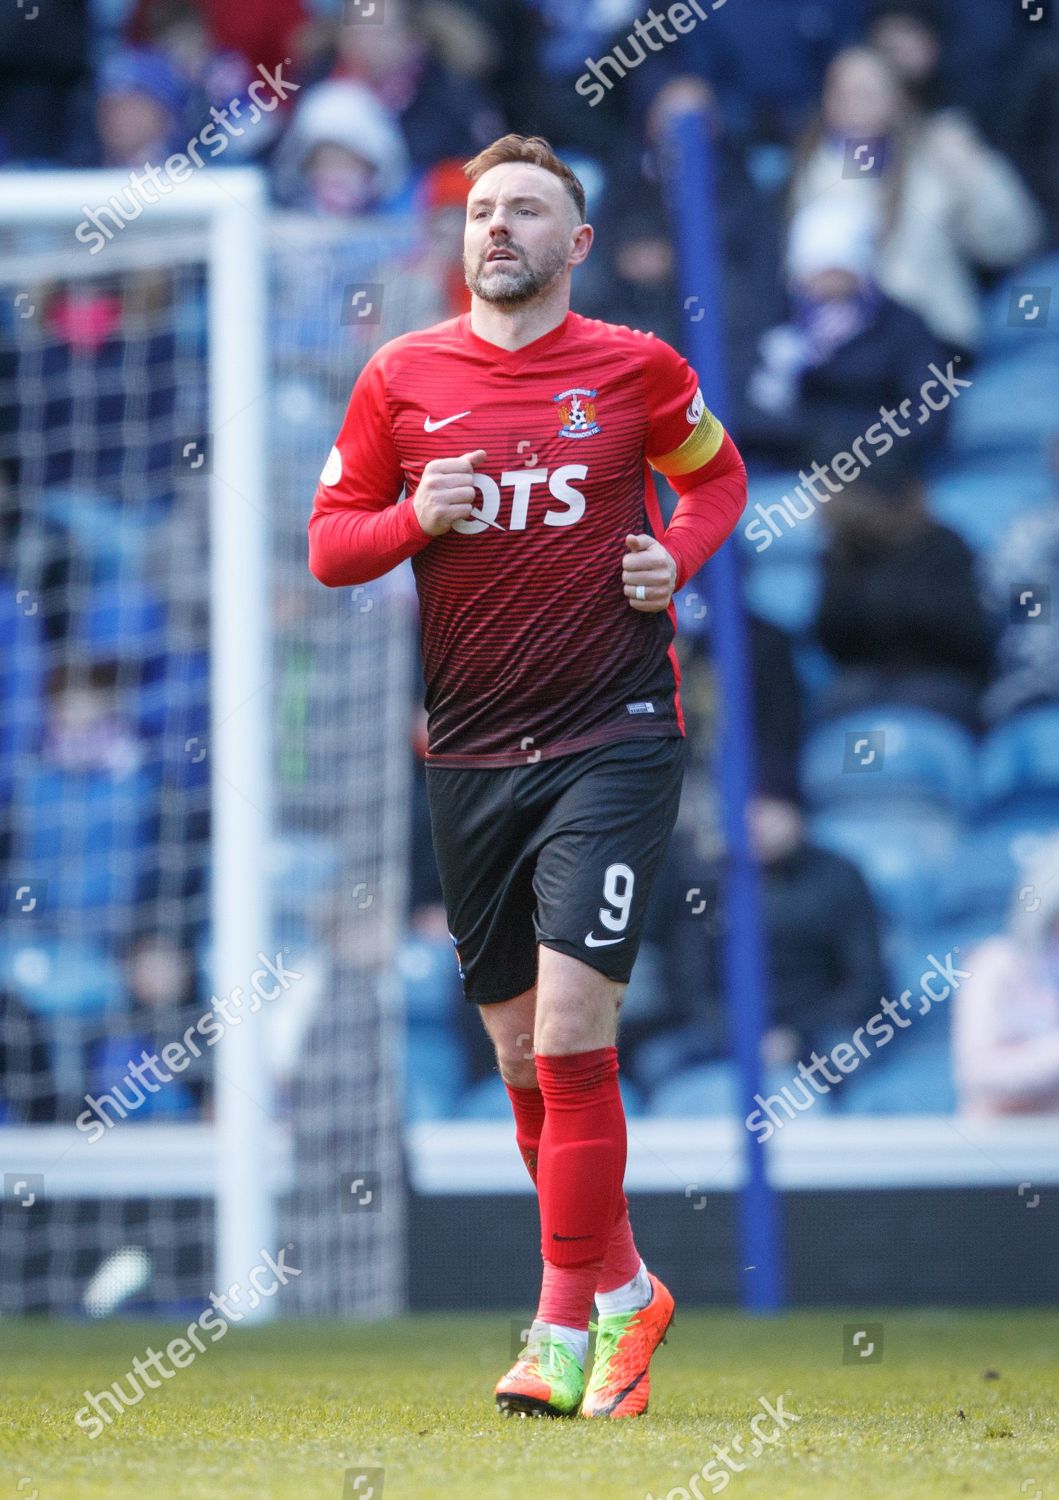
[[959, 1404]]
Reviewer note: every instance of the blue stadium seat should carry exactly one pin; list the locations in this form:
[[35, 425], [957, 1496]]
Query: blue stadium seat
[[123, 623], [815, 669], [888, 753], [88, 835], [21, 678], [485, 1100], [171, 703], [713, 1089], [52, 977], [1005, 336], [71, 987], [435, 1069], [667, 1052], [1010, 404], [429, 979], [982, 500], [706, 1089], [785, 590], [1019, 760], [912, 1077], [915, 954], [111, 538], [900, 850], [109, 1062], [980, 881], [790, 536]]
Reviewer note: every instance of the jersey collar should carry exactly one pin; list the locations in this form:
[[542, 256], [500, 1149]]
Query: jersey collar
[[511, 358]]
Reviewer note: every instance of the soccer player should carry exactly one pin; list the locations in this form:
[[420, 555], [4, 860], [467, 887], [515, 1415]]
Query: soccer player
[[523, 436]]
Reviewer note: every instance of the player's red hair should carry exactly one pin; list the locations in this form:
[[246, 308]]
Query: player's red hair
[[535, 150]]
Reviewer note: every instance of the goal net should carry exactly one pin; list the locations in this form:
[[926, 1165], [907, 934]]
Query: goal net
[[203, 761]]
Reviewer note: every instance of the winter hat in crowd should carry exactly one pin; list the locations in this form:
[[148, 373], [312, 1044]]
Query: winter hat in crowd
[[141, 70], [347, 114], [832, 235]]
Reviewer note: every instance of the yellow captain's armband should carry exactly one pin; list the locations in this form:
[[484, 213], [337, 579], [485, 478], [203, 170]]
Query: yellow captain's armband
[[698, 448]]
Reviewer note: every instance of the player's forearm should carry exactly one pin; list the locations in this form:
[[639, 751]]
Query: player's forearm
[[354, 546], [711, 501]]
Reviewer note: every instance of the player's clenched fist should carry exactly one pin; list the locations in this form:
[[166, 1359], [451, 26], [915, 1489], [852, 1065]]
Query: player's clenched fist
[[649, 574], [446, 493]]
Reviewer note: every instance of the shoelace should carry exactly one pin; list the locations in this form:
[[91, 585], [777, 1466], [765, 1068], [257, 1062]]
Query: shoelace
[[607, 1345], [553, 1357]]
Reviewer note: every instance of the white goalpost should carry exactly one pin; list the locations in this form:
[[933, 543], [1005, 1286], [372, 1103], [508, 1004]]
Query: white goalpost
[[229, 212]]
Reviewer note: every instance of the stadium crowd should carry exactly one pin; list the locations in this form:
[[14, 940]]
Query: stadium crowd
[[887, 181]]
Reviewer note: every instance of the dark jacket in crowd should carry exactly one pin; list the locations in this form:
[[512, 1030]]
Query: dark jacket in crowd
[[906, 614], [824, 960], [27, 1090], [839, 400], [826, 974]]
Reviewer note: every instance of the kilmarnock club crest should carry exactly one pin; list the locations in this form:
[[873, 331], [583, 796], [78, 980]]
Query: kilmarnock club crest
[[577, 412]]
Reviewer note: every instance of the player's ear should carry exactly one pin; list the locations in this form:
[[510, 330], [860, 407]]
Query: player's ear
[[581, 243]]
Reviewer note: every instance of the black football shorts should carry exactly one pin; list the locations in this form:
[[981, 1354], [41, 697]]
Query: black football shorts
[[561, 852]]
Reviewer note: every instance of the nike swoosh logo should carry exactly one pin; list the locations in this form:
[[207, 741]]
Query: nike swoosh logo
[[430, 425], [595, 942]]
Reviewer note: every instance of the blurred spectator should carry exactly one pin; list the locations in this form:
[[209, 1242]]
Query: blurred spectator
[[342, 154], [775, 689], [266, 32], [44, 83], [438, 112], [164, 1002], [765, 60], [1026, 561], [1011, 91], [566, 37], [27, 1088], [87, 731], [142, 103], [215, 75], [695, 846], [106, 431], [825, 968], [846, 350], [493, 42], [899, 610], [910, 35], [631, 276], [937, 199], [950, 54], [1006, 1022], [443, 200], [825, 965], [1028, 125], [37, 565]]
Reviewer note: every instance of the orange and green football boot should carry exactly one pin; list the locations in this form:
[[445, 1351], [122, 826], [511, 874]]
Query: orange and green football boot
[[620, 1383], [545, 1381]]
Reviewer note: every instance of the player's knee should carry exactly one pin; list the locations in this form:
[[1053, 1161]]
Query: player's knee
[[517, 1068], [563, 1036]]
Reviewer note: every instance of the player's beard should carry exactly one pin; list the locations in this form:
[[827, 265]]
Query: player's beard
[[520, 282]]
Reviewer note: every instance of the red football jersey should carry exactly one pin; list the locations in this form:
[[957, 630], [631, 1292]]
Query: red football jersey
[[530, 648]]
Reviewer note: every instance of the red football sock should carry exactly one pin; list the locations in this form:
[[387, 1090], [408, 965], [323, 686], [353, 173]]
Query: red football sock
[[580, 1166], [622, 1260], [528, 1105]]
